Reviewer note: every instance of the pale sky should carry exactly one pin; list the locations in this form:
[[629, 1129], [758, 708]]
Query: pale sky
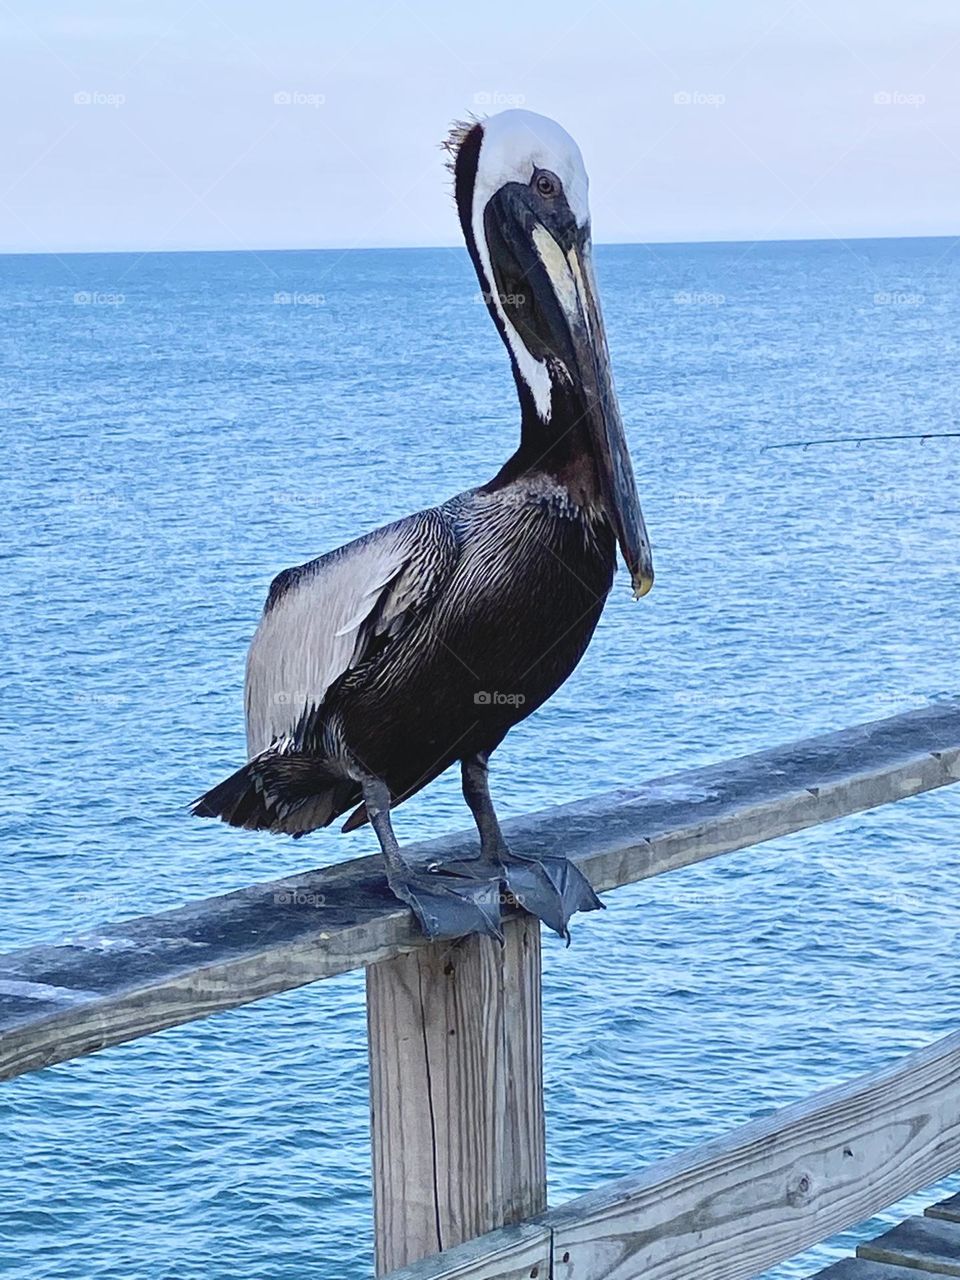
[[246, 124]]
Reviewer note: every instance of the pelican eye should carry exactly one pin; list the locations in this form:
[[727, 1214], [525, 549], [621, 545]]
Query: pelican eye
[[546, 183]]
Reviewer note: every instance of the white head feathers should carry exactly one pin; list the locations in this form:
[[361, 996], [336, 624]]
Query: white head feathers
[[517, 142], [514, 144]]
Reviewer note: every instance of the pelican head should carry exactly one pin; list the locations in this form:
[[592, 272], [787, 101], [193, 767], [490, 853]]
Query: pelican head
[[521, 192]]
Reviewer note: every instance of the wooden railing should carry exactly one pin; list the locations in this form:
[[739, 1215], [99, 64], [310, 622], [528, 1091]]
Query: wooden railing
[[457, 1122]]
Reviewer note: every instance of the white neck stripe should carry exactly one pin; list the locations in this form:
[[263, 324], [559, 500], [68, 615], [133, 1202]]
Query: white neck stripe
[[514, 144]]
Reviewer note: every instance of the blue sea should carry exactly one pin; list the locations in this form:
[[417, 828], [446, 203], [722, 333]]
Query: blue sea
[[176, 428]]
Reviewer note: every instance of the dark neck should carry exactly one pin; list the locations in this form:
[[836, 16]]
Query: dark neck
[[560, 448]]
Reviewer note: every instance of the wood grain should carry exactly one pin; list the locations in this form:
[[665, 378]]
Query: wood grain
[[456, 1092], [130, 979], [763, 1193], [930, 1243], [864, 1267], [512, 1253], [861, 1269], [949, 1209]]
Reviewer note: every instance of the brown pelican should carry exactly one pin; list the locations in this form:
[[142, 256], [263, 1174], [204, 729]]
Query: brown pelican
[[379, 665]]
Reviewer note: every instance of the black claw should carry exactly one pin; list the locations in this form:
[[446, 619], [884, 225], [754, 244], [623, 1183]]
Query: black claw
[[451, 906]]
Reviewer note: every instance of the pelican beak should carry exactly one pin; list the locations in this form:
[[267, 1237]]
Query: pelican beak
[[571, 275], [546, 263]]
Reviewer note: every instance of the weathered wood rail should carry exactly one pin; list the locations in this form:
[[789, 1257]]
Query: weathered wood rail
[[918, 1249], [455, 1043]]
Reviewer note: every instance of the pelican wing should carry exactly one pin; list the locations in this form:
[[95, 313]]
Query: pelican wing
[[322, 618]]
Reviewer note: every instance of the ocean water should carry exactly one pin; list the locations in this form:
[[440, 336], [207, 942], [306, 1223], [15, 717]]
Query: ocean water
[[177, 428]]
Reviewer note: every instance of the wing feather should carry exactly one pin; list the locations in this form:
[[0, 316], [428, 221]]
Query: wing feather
[[319, 619]]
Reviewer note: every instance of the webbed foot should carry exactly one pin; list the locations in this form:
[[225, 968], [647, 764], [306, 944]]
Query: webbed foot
[[448, 905], [552, 888]]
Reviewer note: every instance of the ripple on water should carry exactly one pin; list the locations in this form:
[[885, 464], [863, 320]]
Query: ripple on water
[[162, 460]]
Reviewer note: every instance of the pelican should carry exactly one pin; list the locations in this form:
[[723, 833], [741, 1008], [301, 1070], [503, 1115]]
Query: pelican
[[379, 665]]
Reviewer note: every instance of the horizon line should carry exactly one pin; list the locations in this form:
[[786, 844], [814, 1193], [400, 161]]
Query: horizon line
[[459, 245]]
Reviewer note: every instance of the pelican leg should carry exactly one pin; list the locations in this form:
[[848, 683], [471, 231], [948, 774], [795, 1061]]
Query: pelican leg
[[550, 887], [446, 904]]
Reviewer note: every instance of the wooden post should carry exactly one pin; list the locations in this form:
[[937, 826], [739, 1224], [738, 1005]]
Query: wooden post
[[456, 1092]]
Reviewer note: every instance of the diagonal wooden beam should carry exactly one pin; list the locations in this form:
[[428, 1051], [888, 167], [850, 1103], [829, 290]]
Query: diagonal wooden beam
[[132, 978]]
